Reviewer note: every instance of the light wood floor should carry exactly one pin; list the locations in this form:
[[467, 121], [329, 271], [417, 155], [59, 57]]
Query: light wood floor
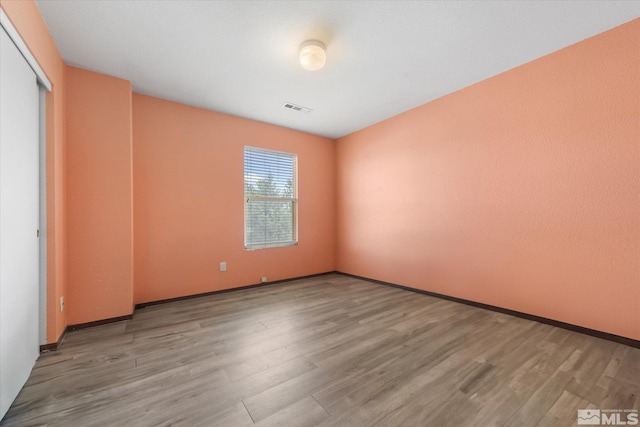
[[329, 351]]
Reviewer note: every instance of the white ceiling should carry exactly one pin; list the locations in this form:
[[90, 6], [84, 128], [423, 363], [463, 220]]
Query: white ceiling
[[383, 57]]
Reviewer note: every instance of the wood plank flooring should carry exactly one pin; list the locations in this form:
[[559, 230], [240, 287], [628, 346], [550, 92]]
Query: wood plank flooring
[[327, 351]]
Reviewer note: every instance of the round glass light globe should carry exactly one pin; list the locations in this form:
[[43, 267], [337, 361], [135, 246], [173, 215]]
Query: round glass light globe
[[312, 55]]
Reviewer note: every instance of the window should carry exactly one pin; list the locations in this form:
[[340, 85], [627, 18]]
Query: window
[[270, 198]]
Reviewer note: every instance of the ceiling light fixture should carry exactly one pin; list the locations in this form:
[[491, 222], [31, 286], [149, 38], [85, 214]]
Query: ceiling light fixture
[[312, 55]]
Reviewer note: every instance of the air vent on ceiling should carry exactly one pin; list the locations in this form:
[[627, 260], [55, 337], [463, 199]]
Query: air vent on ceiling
[[295, 107]]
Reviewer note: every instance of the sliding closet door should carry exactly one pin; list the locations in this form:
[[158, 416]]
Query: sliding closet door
[[19, 212]]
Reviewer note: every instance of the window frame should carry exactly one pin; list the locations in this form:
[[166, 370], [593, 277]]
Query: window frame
[[293, 200]]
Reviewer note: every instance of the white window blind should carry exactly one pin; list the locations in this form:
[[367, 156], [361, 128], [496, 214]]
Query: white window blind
[[270, 198]]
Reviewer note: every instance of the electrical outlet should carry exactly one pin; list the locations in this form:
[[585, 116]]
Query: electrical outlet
[[61, 303], [264, 279], [223, 266]]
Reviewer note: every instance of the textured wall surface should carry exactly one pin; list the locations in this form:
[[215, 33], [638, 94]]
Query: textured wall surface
[[189, 201], [520, 191], [99, 197]]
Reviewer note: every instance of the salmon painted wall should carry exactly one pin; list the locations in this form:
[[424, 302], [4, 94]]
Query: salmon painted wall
[[189, 204], [99, 197], [26, 18], [520, 191]]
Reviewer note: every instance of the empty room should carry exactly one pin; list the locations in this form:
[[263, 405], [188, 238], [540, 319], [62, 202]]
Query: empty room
[[319, 213]]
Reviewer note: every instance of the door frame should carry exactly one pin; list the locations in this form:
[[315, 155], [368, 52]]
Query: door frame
[[45, 86]]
